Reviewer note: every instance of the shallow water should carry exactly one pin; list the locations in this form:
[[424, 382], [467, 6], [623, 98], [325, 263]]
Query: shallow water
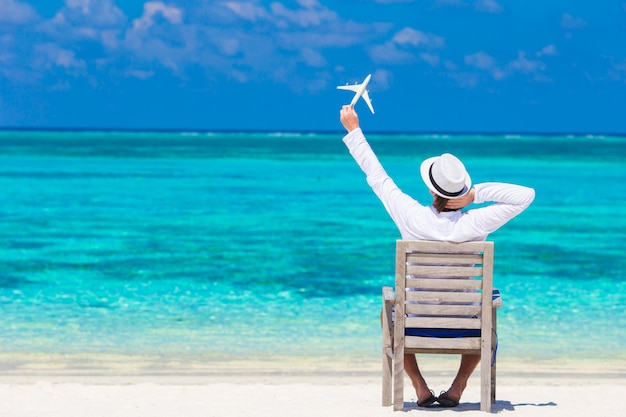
[[171, 242]]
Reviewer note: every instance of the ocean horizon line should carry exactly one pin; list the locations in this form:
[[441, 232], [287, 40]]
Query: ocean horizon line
[[312, 132]]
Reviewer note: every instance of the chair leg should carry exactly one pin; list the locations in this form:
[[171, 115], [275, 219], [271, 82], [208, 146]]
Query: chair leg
[[387, 377], [398, 382], [388, 329], [486, 382], [398, 373], [494, 348], [493, 384]]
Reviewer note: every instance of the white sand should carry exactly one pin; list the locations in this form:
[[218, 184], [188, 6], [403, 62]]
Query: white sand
[[277, 397], [234, 390]]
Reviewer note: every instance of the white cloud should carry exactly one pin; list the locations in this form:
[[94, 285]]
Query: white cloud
[[172, 14], [90, 13], [389, 53], [309, 13], [488, 6], [617, 70], [482, 6], [313, 58], [229, 46], [547, 51], [16, 12], [244, 40], [94, 20], [481, 60], [312, 14], [309, 3], [412, 37], [449, 65], [570, 22], [432, 59], [247, 11], [110, 38], [140, 74], [399, 49], [465, 80], [63, 85], [52, 55], [382, 79], [160, 36], [79, 4], [453, 3], [622, 65], [294, 36], [522, 64]]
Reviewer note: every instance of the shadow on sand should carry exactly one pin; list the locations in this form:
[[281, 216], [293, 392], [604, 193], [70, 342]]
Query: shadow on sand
[[495, 408]]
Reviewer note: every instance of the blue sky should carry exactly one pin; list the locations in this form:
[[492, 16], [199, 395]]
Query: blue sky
[[436, 65]]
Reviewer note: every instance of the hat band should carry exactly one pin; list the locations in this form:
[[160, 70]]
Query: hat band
[[438, 188]]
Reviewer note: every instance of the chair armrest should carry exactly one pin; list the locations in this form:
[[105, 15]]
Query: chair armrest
[[496, 298], [386, 320], [388, 295]]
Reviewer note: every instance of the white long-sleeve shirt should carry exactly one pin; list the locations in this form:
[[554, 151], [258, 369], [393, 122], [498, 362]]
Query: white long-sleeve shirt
[[418, 222]]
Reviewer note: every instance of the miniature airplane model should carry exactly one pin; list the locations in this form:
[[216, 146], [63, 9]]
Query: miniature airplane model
[[360, 91]]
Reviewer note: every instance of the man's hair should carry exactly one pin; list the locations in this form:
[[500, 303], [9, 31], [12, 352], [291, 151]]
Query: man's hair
[[440, 203]]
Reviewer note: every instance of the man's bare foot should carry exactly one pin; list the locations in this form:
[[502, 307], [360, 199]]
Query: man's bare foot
[[422, 391]]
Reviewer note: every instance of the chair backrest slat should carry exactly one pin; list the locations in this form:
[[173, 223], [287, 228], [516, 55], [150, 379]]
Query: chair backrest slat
[[443, 271], [440, 310], [450, 258], [443, 297], [442, 323], [447, 284]]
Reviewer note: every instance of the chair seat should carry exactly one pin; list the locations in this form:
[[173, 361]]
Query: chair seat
[[442, 333]]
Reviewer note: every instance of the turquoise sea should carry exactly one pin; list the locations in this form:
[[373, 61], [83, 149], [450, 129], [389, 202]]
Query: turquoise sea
[[235, 245]]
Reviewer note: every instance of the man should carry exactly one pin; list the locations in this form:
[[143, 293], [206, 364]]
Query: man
[[451, 187]]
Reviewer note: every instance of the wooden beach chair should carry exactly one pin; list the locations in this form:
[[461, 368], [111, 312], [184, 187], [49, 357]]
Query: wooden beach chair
[[442, 312]]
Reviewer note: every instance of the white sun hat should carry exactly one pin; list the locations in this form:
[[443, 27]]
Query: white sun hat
[[445, 175]]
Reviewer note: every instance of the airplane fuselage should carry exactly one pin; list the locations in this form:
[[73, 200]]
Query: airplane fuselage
[[361, 90]]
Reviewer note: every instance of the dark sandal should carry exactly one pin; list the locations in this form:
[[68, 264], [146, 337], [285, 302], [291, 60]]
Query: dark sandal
[[445, 401], [428, 401]]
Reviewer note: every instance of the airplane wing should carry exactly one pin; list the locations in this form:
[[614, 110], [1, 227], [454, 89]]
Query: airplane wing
[[366, 97], [354, 87]]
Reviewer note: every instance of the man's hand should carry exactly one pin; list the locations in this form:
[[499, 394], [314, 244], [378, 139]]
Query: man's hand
[[349, 118], [459, 203]]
